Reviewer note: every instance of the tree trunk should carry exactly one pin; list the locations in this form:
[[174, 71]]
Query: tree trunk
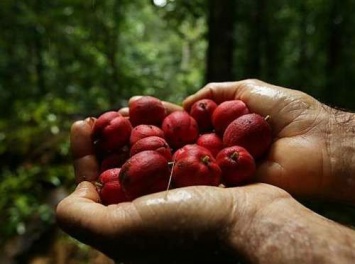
[[271, 40], [302, 69], [113, 48], [38, 51], [333, 50], [256, 37], [220, 40], [39, 65]]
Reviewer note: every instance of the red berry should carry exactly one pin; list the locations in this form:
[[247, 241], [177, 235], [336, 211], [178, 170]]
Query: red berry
[[111, 191], [237, 165], [147, 110], [152, 143], [250, 131], [196, 168], [102, 122], [112, 134], [142, 131], [226, 112], [144, 173], [190, 150], [212, 142], [180, 129], [202, 111]]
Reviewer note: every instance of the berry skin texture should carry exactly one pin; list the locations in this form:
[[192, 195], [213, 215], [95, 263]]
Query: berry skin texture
[[147, 110], [144, 173], [142, 131], [180, 129], [152, 143], [250, 131], [226, 112], [113, 135], [202, 111], [237, 165], [103, 121], [212, 142], [196, 168], [190, 150], [111, 191]]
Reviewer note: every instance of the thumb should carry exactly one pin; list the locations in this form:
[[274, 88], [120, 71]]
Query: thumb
[[85, 192], [74, 213], [218, 92]]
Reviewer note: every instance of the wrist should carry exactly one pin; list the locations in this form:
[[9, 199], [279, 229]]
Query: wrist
[[284, 231], [341, 153]]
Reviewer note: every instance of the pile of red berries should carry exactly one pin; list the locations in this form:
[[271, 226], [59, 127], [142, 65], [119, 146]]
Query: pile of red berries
[[209, 145]]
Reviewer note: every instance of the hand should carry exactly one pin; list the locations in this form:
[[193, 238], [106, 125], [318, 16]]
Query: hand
[[256, 223], [313, 151]]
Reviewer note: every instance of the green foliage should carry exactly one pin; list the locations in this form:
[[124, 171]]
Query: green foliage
[[179, 68], [25, 193]]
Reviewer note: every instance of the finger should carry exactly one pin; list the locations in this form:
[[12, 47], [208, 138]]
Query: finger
[[80, 214], [85, 164], [124, 111], [218, 92], [259, 96], [134, 98], [170, 107], [83, 217]]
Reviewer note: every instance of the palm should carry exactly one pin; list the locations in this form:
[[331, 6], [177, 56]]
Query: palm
[[190, 224], [183, 223], [295, 160]]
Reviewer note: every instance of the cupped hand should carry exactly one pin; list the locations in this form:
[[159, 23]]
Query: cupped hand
[[186, 225], [302, 158]]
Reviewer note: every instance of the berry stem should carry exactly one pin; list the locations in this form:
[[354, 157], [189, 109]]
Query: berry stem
[[206, 159], [235, 155], [98, 185], [172, 163]]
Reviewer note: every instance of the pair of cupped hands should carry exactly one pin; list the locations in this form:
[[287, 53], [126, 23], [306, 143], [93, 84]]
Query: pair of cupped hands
[[202, 224]]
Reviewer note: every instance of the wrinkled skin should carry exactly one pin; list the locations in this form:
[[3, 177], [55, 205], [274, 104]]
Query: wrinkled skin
[[199, 219], [306, 157], [218, 225]]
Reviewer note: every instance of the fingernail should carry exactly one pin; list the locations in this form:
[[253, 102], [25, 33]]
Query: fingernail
[[82, 185], [90, 121]]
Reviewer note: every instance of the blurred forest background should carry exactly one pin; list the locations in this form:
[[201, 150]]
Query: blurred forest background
[[63, 60]]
